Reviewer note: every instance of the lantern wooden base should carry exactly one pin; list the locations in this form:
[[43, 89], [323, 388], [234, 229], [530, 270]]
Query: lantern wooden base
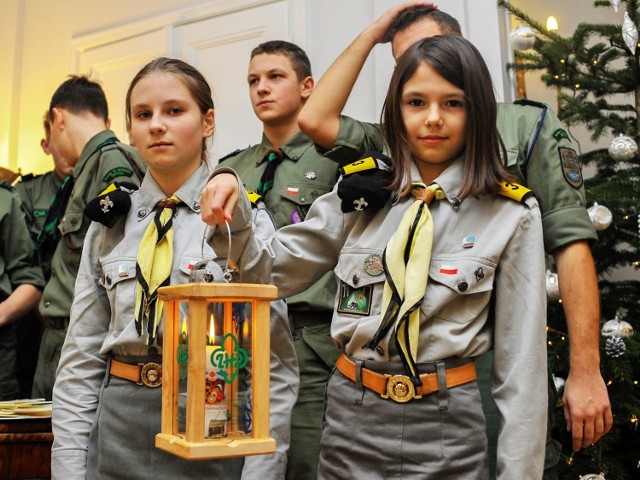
[[192, 444], [233, 445]]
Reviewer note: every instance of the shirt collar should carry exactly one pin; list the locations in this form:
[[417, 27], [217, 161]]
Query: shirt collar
[[293, 149], [189, 192], [90, 149], [450, 180]]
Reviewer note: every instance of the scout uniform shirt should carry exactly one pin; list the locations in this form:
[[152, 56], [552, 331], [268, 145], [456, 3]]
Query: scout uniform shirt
[[552, 171], [301, 178], [16, 268], [103, 324], [487, 263], [37, 192], [101, 163]]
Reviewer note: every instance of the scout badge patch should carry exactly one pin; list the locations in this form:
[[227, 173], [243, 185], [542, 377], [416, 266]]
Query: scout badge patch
[[571, 168], [356, 301]]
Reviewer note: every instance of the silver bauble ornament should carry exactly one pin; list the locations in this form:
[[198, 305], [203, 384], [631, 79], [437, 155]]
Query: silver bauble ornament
[[593, 476], [616, 328], [553, 289], [522, 37], [629, 33], [623, 148], [601, 217]]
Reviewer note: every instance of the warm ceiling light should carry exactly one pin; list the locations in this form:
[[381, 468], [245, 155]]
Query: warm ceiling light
[[552, 23]]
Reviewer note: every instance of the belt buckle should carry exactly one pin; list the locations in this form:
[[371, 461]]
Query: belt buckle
[[150, 374], [400, 389]]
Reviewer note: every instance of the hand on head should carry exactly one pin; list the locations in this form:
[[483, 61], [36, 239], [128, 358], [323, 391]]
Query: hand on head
[[378, 29], [218, 199]]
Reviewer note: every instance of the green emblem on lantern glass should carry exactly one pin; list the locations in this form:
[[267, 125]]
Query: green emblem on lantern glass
[[229, 361]]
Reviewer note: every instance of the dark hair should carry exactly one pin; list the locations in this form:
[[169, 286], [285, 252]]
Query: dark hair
[[78, 94], [297, 56], [459, 62], [407, 17], [192, 78]]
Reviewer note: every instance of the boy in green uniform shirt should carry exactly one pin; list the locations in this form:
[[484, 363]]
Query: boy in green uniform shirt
[[20, 285], [79, 119], [551, 170], [289, 173], [36, 193]]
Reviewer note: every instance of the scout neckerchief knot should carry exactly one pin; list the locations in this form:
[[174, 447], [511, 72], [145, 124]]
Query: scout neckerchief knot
[[406, 262], [274, 157], [153, 269], [56, 211]]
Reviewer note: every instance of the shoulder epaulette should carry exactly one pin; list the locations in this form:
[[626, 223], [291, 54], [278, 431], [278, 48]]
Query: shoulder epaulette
[[232, 154], [369, 161], [112, 203], [7, 186], [515, 191], [532, 103], [28, 177], [254, 197]]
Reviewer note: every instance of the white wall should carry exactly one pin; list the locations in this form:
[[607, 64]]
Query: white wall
[[38, 35]]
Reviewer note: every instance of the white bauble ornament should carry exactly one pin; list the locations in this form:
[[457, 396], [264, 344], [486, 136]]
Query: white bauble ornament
[[615, 4], [593, 476], [601, 217], [616, 328], [623, 148], [629, 33], [522, 37], [553, 289]]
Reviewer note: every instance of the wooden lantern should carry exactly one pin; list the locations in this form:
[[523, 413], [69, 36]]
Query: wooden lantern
[[186, 428]]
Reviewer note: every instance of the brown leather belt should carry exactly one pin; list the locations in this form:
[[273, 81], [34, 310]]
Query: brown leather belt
[[57, 323], [399, 387], [149, 374]]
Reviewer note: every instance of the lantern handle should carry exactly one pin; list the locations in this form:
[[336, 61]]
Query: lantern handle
[[227, 271]]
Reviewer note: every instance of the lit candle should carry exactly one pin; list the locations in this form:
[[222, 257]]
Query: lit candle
[[215, 402]]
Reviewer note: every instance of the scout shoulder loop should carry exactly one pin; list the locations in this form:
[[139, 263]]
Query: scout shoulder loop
[[6, 185], [515, 191], [363, 184], [112, 203], [232, 154], [254, 197]]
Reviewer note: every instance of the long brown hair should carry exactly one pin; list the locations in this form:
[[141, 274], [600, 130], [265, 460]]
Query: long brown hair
[[459, 62]]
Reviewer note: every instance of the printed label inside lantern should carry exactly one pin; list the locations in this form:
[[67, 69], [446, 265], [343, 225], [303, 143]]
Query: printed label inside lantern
[[215, 401]]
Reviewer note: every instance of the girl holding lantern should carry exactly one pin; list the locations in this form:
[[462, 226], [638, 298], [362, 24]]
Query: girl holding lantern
[[106, 409]]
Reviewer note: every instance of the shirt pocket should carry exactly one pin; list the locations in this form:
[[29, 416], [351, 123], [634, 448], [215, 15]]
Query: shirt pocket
[[119, 281], [304, 194], [360, 284], [458, 289]]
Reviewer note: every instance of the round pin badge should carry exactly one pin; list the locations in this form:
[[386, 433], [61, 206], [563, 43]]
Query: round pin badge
[[373, 264]]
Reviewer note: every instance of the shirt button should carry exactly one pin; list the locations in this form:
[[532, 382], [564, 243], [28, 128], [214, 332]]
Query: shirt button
[[141, 213], [295, 157], [153, 351], [47, 303], [196, 206], [108, 280], [379, 350], [455, 202], [355, 279], [74, 221], [462, 286]]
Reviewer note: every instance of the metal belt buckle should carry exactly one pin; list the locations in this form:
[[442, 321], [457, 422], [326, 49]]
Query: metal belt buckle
[[400, 388], [151, 375]]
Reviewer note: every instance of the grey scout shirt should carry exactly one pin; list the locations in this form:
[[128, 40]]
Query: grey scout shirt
[[102, 324], [505, 261]]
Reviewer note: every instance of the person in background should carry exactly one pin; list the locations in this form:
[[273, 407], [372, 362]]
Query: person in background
[[21, 283], [146, 239], [411, 319], [290, 174], [37, 192], [79, 121], [540, 156]]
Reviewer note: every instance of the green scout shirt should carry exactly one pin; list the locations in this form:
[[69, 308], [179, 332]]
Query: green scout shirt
[[36, 193], [16, 247], [102, 162], [302, 177], [553, 172], [548, 171]]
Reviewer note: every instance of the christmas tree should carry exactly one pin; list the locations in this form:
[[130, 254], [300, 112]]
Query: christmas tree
[[597, 76]]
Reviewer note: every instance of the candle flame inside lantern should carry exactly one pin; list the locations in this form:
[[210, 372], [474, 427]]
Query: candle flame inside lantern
[[212, 331]]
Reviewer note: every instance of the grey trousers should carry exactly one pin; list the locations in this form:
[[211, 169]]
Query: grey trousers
[[440, 436]]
